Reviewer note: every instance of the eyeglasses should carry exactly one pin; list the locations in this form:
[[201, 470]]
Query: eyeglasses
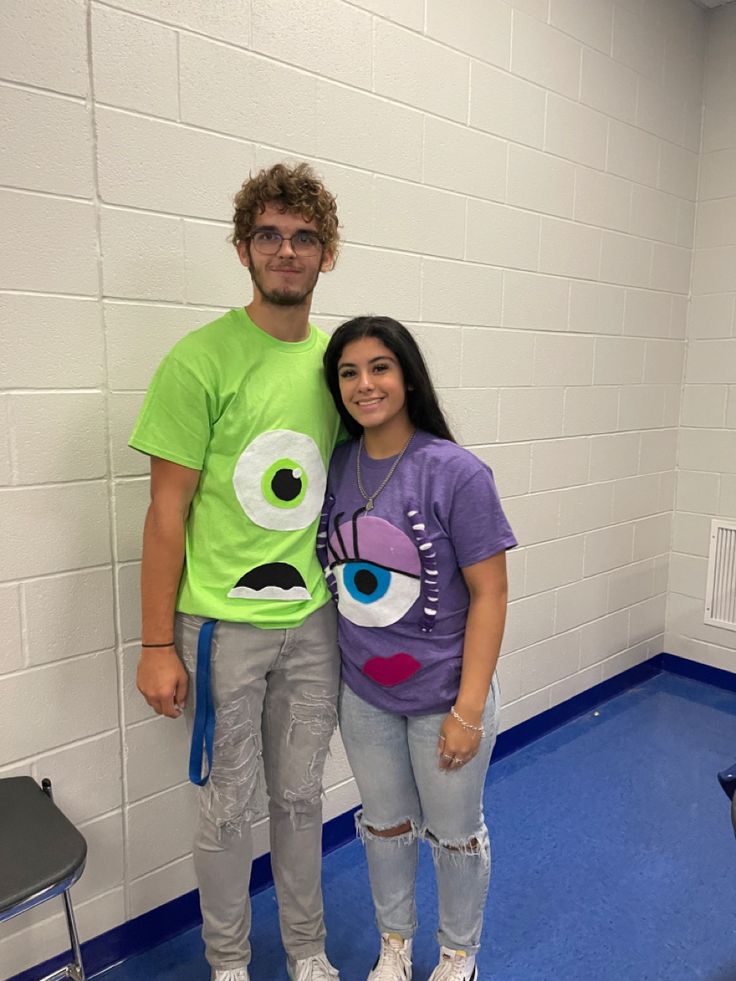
[[269, 242]]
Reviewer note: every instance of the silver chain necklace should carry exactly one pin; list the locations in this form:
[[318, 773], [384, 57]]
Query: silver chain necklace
[[370, 498]]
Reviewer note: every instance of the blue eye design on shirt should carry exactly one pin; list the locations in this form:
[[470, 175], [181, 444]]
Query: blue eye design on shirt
[[377, 570]]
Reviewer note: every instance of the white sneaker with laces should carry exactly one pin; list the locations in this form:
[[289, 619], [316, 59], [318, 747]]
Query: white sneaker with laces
[[455, 965], [314, 968], [239, 974], [394, 961]]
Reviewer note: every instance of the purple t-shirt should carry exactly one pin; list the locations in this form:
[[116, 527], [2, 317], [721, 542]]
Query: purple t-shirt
[[396, 570]]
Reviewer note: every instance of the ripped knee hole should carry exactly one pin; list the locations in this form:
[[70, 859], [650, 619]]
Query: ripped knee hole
[[472, 845], [400, 829]]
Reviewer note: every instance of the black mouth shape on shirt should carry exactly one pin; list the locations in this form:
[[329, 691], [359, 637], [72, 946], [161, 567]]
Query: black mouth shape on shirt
[[279, 574]]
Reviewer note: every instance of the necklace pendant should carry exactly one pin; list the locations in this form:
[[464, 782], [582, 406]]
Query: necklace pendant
[[369, 504]]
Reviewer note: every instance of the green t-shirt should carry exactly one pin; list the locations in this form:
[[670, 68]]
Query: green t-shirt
[[255, 416]]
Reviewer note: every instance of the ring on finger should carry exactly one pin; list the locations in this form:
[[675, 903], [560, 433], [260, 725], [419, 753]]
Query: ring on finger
[[447, 756], [456, 761]]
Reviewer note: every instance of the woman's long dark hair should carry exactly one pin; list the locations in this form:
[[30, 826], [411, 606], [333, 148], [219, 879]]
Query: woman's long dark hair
[[421, 399]]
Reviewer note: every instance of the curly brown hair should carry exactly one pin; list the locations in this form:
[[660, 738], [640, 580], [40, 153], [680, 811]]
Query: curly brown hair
[[297, 189]]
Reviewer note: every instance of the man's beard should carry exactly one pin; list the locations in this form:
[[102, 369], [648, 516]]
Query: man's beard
[[283, 298]]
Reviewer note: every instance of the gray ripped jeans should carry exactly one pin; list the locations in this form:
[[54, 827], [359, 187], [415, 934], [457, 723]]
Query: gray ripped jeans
[[275, 693]]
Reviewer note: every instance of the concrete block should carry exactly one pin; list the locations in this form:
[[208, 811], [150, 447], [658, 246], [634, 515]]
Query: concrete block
[[46, 143], [400, 211], [647, 313], [58, 437], [529, 621], [494, 358], [131, 500], [575, 132], [714, 270], [530, 413], [414, 70], [688, 574], [123, 408], [697, 492], [71, 353], [637, 41], [642, 407], [690, 534], [671, 268], [302, 43], [472, 414], [162, 885], [633, 154], [619, 361], [410, 13], [590, 410], [596, 308], [567, 248], [142, 255], [367, 131], [560, 360], [551, 660], [663, 362], [660, 111], [229, 20], [35, 704], [585, 508], [67, 260], [45, 44], [104, 869], [635, 497], [603, 200], [502, 236], [511, 465], [686, 224], [11, 655], [464, 160], [539, 182], [658, 451], [608, 548], [716, 220], [134, 63], [678, 172], [614, 456], [625, 259], [6, 462], [137, 156], [580, 602], [507, 106], [212, 273], [710, 450], [68, 615], [534, 302], [711, 362], [458, 292], [371, 281], [630, 584], [654, 214], [590, 21], [484, 30], [211, 99], [534, 517], [138, 337], [160, 829], [157, 756], [442, 350], [609, 86], [652, 536], [545, 56], [604, 638], [86, 777], [129, 578], [559, 463], [52, 529]]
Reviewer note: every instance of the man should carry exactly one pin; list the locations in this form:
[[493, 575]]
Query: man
[[240, 426]]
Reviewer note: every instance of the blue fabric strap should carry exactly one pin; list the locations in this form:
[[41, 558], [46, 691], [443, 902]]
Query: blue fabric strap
[[203, 730]]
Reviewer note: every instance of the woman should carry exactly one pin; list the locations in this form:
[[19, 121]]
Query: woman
[[413, 541]]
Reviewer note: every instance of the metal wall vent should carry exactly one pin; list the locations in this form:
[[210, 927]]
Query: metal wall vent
[[720, 591]]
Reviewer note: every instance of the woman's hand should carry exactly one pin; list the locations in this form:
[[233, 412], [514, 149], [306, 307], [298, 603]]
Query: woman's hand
[[456, 744]]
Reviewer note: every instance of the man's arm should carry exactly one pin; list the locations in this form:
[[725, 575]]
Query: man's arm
[[161, 678]]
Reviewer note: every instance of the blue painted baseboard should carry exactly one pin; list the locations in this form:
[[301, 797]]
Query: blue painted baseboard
[[181, 914]]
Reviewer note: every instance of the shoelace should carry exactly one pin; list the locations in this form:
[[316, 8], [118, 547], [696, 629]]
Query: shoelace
[[391, 959], [239, 974], [452, 969], [316, 968]]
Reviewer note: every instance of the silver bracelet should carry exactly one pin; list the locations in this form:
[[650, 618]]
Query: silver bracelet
[[466, 725]]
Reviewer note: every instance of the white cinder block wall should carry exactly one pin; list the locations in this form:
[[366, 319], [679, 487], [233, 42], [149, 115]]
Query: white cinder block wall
[[706, 482], [516, 180]]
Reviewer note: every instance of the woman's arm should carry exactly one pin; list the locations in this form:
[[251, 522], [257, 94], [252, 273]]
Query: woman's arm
[[488, 589]]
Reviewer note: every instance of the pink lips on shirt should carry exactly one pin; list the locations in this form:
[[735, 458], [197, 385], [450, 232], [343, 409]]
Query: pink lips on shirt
[[392, 670]]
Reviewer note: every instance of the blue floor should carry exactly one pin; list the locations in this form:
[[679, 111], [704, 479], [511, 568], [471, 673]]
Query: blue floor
[[613, 858]]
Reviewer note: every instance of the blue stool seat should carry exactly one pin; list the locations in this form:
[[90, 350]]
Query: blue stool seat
[[41, 856]]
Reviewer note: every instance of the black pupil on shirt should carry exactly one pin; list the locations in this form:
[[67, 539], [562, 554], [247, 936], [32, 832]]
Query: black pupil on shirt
[[365, 582], [285, 485]]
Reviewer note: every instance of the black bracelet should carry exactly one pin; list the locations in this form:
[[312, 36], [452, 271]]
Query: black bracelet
[[158, 645]]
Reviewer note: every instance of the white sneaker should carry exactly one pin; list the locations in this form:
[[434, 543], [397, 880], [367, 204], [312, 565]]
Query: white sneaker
[[394, 961], [455, 965], [314, 968], [239, 974]]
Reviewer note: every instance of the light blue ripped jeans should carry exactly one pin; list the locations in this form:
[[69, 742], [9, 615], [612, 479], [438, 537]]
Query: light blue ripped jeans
[[394, 760]]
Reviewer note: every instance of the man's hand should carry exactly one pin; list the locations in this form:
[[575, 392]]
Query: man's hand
[[163, 681]]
